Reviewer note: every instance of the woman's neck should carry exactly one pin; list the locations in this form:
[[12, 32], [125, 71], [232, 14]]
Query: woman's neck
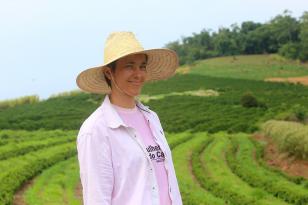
[[121, 100]]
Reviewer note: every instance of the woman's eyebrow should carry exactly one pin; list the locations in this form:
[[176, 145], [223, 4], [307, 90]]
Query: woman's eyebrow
[[132, 62]]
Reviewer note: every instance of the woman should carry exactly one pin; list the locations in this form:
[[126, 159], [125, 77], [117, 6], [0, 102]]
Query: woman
[[123, 154]]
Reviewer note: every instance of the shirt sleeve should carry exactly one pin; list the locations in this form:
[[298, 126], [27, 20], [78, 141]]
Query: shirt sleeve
[[96, 171]]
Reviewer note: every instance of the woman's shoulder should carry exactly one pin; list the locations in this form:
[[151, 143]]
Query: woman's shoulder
[[95, 122]]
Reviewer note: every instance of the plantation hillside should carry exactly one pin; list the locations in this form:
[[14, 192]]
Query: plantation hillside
[[209, 110], [219, 94]]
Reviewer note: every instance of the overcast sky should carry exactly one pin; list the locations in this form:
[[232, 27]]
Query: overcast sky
[[44, 44]]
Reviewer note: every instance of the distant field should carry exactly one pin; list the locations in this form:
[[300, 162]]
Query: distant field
[[254, 67]]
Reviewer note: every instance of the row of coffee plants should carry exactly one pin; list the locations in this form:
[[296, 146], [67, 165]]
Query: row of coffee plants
[[17, 170], [211, 168], [192, 193], [59, 184], [242, 161], [15, 149], [177, 113], [18, 136]]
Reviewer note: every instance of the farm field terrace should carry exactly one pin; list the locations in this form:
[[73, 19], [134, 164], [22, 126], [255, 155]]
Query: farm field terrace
[[207, 125]]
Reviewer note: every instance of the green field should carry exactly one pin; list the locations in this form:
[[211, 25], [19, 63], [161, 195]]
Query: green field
[[207, 124], [254, 67]]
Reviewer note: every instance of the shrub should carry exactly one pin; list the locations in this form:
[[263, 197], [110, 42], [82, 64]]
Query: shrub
[[248, 100], [290, 50], [299, 112]]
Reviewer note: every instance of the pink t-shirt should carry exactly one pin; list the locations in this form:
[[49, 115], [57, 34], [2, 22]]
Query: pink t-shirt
[[134, 118]]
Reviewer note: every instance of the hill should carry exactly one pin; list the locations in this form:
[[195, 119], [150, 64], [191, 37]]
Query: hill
[[223, 111]]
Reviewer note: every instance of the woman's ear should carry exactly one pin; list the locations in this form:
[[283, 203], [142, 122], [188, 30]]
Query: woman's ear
[[107, 73]]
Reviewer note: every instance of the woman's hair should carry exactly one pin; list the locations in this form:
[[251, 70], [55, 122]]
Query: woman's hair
[[113, 66]]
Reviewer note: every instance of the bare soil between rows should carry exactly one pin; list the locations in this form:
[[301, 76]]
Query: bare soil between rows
[[282, 161], [301, 80]]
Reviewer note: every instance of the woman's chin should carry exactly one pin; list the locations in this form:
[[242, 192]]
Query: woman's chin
[[134, 93]]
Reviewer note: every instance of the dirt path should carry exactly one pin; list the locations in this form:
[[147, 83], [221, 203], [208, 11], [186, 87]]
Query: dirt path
[[191, 169], [18, 197], [302, 80], [19, 200], [274, 158], [78, 191]]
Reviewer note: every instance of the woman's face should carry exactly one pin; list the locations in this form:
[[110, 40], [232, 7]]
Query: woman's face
[[130, 74]]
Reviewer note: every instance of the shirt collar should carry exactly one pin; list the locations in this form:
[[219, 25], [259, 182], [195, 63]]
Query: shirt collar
[[113, 118]]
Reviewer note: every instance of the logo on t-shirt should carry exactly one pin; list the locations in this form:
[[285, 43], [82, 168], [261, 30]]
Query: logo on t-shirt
[[156, 153]]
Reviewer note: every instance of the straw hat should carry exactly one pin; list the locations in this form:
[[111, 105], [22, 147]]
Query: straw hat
[[161, 64]]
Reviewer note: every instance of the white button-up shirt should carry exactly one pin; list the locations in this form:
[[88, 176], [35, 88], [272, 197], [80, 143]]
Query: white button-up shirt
[[115, 168]]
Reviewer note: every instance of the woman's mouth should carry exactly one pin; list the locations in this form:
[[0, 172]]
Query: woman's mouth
[[135, 83]]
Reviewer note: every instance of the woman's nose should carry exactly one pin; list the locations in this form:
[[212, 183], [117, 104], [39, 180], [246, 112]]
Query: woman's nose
[[139, 71]]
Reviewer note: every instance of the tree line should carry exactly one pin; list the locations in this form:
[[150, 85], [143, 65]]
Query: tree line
[[283, 34]]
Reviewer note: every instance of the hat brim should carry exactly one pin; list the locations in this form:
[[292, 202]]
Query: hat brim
[[161, 64]]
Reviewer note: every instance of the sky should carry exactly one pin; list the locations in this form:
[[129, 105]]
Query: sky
[[45, 44]]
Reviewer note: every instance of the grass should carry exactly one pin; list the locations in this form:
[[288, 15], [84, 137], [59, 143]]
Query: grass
[[17, 170], [191, 192], [200, 92], [291, 137], [214, 174], [253, 67], [56, 185], [16, 149]]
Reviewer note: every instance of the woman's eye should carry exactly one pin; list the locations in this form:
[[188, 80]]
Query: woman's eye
[[128, 66], [143, 67]]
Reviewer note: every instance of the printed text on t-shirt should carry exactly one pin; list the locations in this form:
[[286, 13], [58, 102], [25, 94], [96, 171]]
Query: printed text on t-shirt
[[156, 153]]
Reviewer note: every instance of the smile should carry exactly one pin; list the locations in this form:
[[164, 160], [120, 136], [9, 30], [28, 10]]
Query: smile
[[135, 83]]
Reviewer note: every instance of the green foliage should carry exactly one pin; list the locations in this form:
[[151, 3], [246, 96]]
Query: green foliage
[[291, 137], [290, 50], [252, 67], [177, 113], [24, 154], [281, 34], [298, 49], [66, 94], [65, 112], [190, 191], [259, 157], [223, 112], [300, 112], [303, 55], [242, 162], [296, 113], [225, 170], [15, 171], [19, 101], [248, 100], [56, 185], [214, 174], [14, 149]]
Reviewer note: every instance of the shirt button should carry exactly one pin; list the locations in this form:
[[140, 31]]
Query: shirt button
[[153, 187]]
